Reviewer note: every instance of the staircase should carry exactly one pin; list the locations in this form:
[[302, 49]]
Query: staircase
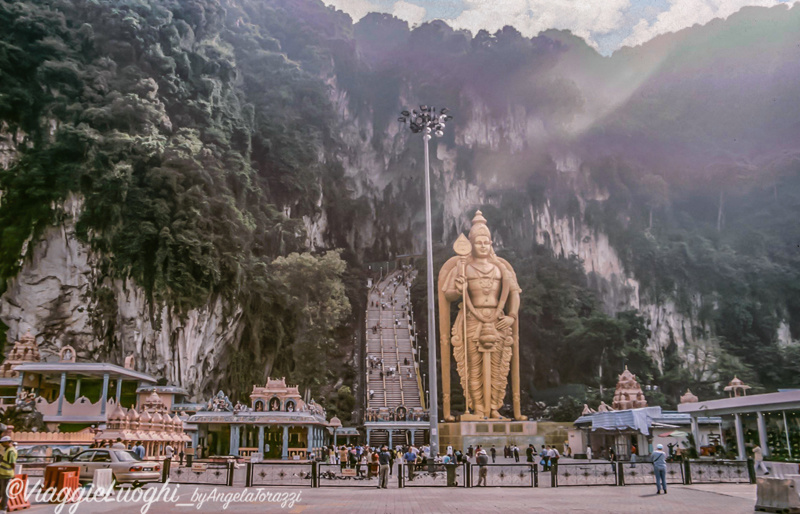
[[390, 346]]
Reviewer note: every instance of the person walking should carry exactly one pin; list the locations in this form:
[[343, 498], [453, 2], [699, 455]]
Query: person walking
[[529, 453], [659, 459], [494, 454], [758, 458], [368, 462], [410, 457], [139, 450], [8, 459], [516, 453], [552, 457], [482, 460], [169, 451], [633, 456], [589, 453], [383, 468]]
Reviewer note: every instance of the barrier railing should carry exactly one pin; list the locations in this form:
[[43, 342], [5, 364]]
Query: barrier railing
[[584, 474], [34, 466], [198, 473], [642, 473], [598, 473], [433, 475], [717, 471], [505, 475], [294, 474], [333, 475]]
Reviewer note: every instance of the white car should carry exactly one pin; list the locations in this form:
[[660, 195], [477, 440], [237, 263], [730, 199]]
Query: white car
[[125, 466]]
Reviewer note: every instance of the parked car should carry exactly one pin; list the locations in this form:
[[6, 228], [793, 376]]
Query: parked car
[[125, 466]]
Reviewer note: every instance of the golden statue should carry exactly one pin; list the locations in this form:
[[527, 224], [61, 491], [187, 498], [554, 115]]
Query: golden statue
[[488, 315]]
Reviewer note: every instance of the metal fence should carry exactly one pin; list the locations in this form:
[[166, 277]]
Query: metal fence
[[294, 474], [642, 473], [198, 473], [584, 473], [505, 475], [433, 475], [718, 471], [34, 466], [333, 475], [317, 474]]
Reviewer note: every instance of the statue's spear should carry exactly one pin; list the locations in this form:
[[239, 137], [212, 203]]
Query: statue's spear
[[463, 248]]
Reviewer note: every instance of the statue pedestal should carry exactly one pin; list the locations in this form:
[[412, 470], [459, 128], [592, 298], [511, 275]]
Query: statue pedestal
[[474, 431]]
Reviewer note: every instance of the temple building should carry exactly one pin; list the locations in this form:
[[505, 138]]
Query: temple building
[[630, 423], [278, 424], [770, 420], [24, 351], [73, 395], [77, 400], [151, 424]]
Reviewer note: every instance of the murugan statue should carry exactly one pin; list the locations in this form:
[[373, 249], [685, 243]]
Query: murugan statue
[[485, 335]]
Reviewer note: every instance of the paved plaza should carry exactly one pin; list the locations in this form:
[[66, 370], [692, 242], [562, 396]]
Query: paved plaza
[[705, 499]]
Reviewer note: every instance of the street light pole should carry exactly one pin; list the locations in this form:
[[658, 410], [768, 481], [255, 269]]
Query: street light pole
[[427, 121]]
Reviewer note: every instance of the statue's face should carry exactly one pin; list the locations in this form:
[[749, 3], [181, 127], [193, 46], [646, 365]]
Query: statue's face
[[482, 246]]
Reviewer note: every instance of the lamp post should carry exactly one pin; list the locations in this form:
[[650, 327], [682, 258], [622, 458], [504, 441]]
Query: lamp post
[[426, 121]]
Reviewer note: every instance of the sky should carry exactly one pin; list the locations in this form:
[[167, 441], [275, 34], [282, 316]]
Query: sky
[[606, 25]]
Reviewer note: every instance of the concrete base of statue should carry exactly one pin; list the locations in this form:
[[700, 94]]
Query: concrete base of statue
[[471, 430]]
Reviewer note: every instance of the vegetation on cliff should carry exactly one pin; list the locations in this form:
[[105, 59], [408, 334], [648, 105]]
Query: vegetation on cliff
[[199, 134]]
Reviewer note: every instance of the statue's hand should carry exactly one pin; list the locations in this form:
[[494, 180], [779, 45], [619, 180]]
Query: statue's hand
[[460, 284], [505, 322]]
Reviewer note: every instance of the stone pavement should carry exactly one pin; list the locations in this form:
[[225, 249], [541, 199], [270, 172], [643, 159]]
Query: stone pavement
[[701, 499]]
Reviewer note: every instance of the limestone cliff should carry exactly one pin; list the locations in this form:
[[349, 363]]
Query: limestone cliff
[[60, 296]]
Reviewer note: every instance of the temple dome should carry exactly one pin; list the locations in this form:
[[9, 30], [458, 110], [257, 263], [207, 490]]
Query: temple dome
[[628, 394], [689, 397]]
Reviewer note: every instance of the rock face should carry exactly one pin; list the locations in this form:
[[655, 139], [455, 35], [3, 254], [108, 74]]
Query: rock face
[[61, 298], [374, 170], [55, 296]]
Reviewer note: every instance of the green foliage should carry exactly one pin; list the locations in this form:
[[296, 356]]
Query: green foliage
[[341, 404], [740, 281]]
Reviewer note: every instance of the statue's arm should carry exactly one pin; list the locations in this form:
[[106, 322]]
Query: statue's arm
[[512, 306], [451, 289]]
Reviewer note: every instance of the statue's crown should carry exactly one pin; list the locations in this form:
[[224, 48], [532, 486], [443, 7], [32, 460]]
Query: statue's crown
[[479, 227]]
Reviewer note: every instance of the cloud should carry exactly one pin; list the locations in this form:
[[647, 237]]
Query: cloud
[[604, 24], [583, 17], [357, 9], [685, 13], [412, 13]]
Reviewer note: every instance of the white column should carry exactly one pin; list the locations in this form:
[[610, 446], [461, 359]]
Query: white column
[[119, 389], [104, 398], [786, 431], [739, 436], [696, 433], [762, 434], [61, 392], [78, 389], [261, 439]]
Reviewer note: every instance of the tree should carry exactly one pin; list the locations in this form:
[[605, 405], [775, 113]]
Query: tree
[[318, 304]]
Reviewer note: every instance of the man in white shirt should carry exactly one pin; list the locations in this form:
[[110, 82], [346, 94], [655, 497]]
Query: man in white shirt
[[169, 451]]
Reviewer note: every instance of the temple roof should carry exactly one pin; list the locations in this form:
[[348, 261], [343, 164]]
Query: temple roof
[[85, 368], [251, 417], [168, 389]]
